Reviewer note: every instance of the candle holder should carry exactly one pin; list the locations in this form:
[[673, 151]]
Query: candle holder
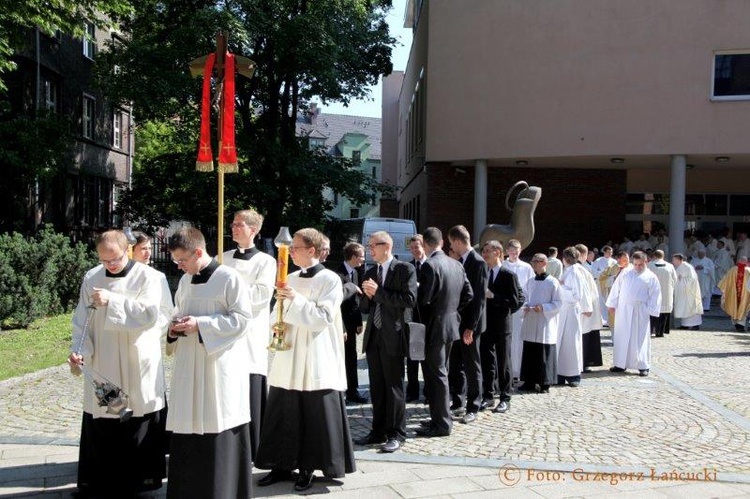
[[283, 241]]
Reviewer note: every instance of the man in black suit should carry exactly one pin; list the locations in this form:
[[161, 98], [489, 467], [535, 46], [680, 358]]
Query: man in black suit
[[416, 247], [351, 273], [465, 368], [390, 291], [504, 297], [443, 291]]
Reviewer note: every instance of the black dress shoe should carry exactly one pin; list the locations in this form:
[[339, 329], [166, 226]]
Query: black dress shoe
[[356, 398], [304, 480], [615, 369], [643, 372], [432, 432], [275, 476], [503, 406], [426, 424], [392, 445], [486, 404], [370, 439], [739, 327]]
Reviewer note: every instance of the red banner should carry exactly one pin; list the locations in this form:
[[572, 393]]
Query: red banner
[[205, 162]]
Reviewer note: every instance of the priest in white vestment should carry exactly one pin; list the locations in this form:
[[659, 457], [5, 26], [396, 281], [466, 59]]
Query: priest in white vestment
[[121, 317], [688, 306], [634, 297], [209, 413], [667, 276], [306, 426], [722, 263], [592, 322], [539, 330], [706, 271], [258, 271], [524, 273]]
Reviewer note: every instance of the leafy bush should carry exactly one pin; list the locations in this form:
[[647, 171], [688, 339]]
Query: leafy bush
[[39, 276]]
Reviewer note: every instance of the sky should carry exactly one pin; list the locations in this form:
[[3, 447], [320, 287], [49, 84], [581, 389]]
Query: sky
[[399, 57]]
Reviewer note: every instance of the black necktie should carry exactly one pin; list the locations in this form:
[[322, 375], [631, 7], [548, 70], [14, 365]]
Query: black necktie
[[461, 260], [419, 266], [376, 319], [492, 275]]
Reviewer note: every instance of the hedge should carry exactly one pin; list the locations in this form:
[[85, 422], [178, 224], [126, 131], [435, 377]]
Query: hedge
[[40, 276]]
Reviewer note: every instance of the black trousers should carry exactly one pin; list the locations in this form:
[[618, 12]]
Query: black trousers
[[412, 379], [660, 325], [497, 370], [386, 390], [436, 384], [465, 374], [350, 361]]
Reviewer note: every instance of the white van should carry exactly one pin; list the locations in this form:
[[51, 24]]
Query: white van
[[359, 229]]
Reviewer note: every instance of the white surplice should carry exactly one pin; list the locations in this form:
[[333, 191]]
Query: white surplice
[[123, 339], [525, 273], [634, 297], [541, 327], [210, 379], [667, 277], [316, 358], [576, 299], [706, 271], [259, 275]]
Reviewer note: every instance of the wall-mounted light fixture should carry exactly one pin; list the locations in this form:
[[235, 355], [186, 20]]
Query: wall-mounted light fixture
[[616, 161], [721, 159], [690, 167], [460, 170], [522, 162]]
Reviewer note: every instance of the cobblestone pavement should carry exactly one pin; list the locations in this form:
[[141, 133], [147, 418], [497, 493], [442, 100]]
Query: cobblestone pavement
[[691, 415]]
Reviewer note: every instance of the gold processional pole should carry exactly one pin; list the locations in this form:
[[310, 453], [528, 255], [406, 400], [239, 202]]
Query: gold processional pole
[[224, 63]]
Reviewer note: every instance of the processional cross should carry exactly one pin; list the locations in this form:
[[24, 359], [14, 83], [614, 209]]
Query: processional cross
[[223, 65]]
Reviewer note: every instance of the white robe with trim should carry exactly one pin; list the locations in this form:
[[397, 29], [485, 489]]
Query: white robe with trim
[[315, 333], [634, 297], [210, 380], [259, 274], [123, 341]]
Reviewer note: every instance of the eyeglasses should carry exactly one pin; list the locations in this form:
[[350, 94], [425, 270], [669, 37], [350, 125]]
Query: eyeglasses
[[112, 263], [183, 261], [372, 245]]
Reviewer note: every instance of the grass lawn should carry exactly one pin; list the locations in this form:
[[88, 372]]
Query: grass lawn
[[45, 343]]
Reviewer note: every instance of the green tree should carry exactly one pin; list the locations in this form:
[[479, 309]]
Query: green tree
[[68, 16], [34, 149], [330, 50]]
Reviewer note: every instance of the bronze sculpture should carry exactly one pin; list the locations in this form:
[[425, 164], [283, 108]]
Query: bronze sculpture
[[521, 226]]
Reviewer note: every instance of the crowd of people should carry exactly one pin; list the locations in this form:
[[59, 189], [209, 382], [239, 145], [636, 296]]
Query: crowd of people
[[494, 325]]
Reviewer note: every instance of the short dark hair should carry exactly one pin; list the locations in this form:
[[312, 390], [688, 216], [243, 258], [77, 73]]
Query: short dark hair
[[552, 251], [460, 233], [187, 238], [351, 249], [433, 237]]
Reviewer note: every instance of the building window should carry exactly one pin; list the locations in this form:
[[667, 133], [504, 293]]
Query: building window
[[315, 143], [89, 104], [117, 130], [357, 157], [354, 213], [50, 95], [94, 201], [731, 76], [89, 40]]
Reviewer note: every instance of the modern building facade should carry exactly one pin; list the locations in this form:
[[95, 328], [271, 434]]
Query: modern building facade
[[352, 137], [631, 116], [55, 73]]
